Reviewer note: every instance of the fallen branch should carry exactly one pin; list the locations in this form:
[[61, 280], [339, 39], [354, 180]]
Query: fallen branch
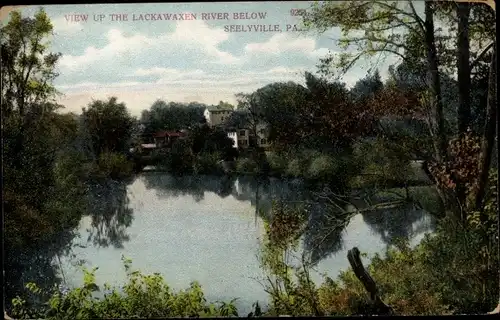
[[354, 258]]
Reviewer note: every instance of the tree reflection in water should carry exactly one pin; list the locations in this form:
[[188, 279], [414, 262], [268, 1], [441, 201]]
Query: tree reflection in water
[[110, 213], [108, 208], [327, 219], [36, 264]]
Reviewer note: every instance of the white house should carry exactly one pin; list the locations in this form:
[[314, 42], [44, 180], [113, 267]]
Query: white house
[[241, 137], [216, 115], [234, 136]]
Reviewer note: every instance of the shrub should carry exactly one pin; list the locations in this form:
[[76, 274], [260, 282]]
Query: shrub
[[113, 165], [322, 167], [180, 159], [277, 163], [294, 168], [309, 154], [144, 296], [455, 270], [246, 165], [207, 163], [381, 161]]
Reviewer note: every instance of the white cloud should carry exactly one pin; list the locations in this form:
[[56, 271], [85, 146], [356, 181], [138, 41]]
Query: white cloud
[[176, 85], [167, 72], [97, 85], [287, 42], [196, 78], [188, 36]]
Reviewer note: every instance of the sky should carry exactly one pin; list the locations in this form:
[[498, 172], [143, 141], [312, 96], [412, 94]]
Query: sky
[[142, 60]]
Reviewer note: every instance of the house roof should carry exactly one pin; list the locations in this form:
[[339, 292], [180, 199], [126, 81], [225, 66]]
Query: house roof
[[162, 134]]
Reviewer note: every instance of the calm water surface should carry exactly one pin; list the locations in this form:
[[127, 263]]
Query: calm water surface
[[208, 229]]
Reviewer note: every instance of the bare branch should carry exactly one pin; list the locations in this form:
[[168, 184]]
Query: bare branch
[[379, 40], [400, 11], [481, 55], [393, 26], [416, 17]]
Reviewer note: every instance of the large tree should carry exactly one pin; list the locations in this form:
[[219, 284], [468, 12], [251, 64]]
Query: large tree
[[279, 107], [109, 124], [413, 33], [384, 28], [41, 196], [172, 116]]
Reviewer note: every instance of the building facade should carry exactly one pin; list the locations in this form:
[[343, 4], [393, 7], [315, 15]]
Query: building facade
[[216, 116], [242, 137]]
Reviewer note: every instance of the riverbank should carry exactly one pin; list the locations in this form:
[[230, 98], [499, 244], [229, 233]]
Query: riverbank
[[354, 171]]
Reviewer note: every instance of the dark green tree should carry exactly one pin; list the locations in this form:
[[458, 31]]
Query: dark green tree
[[109, 124]]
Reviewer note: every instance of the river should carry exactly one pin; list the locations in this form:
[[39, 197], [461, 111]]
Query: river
[[208, 229]]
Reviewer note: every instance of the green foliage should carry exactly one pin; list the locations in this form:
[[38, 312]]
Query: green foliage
[[109, 125], [208, 163], [291, 291], [40, 189], [172, 116], [144, 296], [217, 141], [27, 70], [279, 105], [179, 159], [367, 87], [322, 168], [246, 166], [277, 163], [381, 161], [294, 168], [112, 165], [373, 17], [455, 270]]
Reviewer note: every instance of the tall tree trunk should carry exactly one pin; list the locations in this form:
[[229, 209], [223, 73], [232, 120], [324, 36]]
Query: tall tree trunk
[[436, 119], [463, 68], [464, 81], [433, 82], [489, 132]]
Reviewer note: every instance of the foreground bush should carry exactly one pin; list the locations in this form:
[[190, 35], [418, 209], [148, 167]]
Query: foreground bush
[[144, 296], [453, 271], [416, 281]]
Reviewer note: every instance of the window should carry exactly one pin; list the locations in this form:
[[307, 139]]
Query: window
[[222, 118], [263, 141], [242, 132]]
